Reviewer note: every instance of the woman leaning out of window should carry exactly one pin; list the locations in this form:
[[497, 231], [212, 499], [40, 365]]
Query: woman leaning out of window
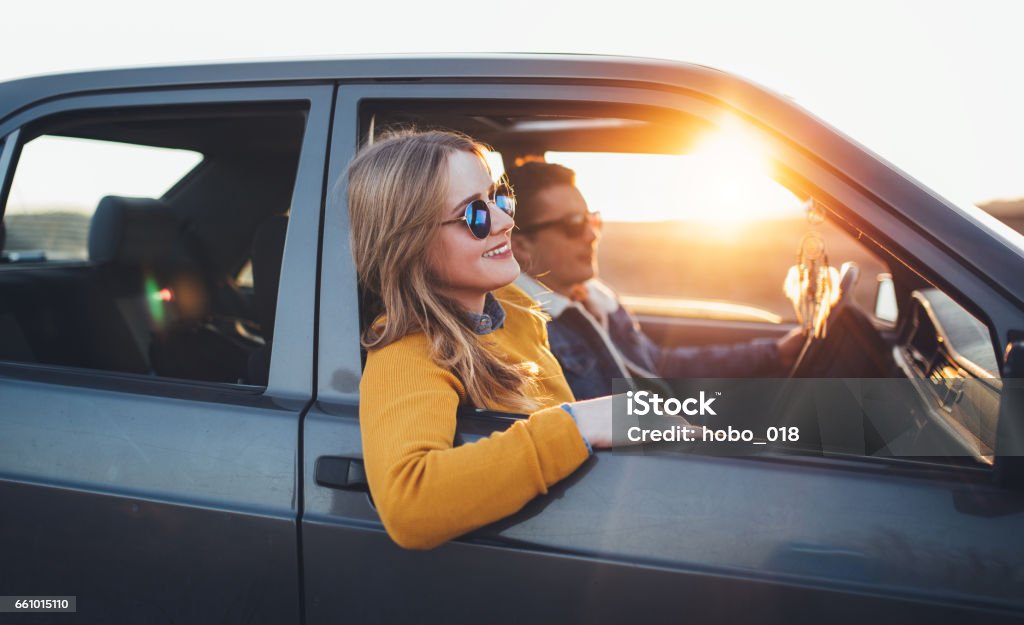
[[431, 237]]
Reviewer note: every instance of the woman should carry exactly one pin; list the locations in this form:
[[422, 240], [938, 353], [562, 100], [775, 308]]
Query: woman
[[431, 239]]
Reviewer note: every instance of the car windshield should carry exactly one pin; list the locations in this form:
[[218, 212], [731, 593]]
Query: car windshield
[[716, 217]]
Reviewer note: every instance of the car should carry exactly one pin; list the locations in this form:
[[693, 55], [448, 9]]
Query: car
[[180, 361]]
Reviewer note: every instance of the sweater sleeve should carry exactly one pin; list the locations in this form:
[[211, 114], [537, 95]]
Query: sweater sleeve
[[426, 490]]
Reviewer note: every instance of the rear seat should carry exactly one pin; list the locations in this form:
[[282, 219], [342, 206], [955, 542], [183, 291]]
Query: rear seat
[[141, 305], [132, 245], [164, 294], [88, 315]]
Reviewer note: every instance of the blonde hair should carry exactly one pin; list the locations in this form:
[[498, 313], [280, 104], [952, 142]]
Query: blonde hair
[[397, 188]]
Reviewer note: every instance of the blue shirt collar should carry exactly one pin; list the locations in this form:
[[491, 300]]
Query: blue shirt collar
[[492, 318]]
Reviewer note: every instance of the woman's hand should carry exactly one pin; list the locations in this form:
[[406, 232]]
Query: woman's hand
[[594, 419]]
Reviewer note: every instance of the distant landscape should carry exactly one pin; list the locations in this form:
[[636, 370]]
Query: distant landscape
[[748, 266], [62, 233], [745, 266]]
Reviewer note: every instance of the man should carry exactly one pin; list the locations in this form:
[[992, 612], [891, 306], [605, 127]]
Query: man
[[593, 337]]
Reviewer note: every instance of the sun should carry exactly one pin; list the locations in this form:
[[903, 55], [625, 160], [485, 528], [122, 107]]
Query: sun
[[732, 179]]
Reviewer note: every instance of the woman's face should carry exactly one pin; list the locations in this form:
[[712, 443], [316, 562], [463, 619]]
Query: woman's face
[[457, 258]]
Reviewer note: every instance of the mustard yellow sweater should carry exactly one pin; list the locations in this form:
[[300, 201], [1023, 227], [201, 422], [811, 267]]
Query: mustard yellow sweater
[[428, 491]]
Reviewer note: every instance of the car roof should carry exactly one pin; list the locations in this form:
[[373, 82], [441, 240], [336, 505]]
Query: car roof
[[21, 92]]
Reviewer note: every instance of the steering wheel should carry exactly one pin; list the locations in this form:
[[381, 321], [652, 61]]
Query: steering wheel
[[815, 348]]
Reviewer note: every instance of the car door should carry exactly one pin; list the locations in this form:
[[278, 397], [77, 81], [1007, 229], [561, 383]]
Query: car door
[[661, 538], [148, 498]]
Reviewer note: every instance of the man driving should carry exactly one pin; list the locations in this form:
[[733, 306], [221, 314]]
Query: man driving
[[593, 337]]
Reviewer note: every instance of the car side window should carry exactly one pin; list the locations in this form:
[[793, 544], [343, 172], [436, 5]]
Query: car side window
[[698, 226], [126, 231], [48, 221]]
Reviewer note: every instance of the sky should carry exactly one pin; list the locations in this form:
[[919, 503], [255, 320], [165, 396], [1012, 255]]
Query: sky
[[934, 87]]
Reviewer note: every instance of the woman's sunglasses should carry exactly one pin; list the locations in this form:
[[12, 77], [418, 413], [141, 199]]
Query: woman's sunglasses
[[573, 226], [478, 214]]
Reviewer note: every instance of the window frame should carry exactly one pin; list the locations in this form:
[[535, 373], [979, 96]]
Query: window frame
[[290, 374]]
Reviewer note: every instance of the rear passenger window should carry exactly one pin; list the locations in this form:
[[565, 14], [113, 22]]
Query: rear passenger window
[[126, 232], [60, 181]]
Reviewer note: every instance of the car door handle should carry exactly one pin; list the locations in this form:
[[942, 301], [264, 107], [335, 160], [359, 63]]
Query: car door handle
[[341, 473]]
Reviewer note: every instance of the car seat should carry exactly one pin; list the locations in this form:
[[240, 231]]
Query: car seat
[[147, 265]]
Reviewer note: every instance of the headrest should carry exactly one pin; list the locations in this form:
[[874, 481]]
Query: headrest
[[131, 230]]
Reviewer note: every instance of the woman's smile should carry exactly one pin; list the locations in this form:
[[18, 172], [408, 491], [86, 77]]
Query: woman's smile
[[502, 251]]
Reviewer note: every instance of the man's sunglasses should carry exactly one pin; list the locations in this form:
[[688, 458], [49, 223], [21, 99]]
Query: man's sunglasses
[[573, 226], [478, 214]]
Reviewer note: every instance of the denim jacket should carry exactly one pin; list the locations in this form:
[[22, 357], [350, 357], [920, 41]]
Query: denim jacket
[[592, 356]]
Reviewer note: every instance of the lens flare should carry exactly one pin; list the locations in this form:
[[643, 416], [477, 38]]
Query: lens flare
[[155, 302]]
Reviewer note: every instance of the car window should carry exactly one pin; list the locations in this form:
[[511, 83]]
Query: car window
[[727, 230], [719, 248], [127, 231], [59, 182]]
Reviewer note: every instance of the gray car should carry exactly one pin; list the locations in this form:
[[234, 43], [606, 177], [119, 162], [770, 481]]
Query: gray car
[[180, 367]]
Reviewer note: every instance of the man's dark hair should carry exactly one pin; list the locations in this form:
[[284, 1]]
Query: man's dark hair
[[529, 180]]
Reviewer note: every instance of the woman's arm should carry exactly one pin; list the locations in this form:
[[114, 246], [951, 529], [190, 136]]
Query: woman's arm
[[428, 492]]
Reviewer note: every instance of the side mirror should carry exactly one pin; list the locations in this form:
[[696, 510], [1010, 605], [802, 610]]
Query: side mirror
[[885, 299]]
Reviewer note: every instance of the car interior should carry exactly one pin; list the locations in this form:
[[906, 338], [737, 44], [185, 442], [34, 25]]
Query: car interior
[[161, 291]]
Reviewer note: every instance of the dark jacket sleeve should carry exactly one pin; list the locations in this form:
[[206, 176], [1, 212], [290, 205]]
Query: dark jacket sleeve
[[759, 357]]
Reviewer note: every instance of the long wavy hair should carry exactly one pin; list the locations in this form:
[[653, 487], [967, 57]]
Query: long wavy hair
[[397, 189]]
